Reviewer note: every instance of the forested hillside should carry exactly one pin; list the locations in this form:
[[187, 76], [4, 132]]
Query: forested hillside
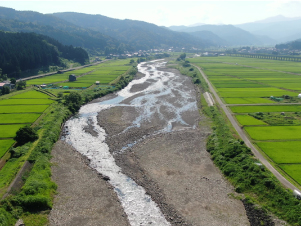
[[294, 45], [61, 30], [27, 51], [139, 34]]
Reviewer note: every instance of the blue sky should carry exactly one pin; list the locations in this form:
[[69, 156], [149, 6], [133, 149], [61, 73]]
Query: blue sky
[[167, 13]]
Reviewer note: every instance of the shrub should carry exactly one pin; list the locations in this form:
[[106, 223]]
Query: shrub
[[26, 134]]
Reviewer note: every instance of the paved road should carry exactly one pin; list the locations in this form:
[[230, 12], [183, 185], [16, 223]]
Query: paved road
[[245, 138]]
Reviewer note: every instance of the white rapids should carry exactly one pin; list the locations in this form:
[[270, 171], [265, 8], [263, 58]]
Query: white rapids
[[138, 206]]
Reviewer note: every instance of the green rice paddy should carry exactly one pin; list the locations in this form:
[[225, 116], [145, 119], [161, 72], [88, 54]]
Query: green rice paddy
[[247, 120], [9, 131], [4, 145], [254, 100], [282, 152], [265, 108], [18, 118], [23, 109], [274, 132], [237, 84]]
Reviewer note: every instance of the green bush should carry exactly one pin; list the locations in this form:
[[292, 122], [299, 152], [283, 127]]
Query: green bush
[[26, 134]]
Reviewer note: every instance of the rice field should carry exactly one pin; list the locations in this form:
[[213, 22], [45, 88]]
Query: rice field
[[247, 120], [31, 95], [242, 100], [9, 131], [282, 152], [18, 118], [274, 132], [240, 80], [265, 108], [5, 145], [293, 170]]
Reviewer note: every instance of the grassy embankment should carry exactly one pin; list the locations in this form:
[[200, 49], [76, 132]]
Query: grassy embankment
[[34, 200], [255, 183]]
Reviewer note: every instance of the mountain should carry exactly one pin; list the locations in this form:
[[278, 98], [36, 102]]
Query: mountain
[[278, 18], [210, 37], [234, 36], [139, 34], [61, 30], [282, 29]]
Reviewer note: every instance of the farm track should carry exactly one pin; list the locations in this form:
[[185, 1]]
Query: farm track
[[245, 137]]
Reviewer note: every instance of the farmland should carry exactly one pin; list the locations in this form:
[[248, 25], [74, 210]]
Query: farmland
[[272, 125], [18, 110], [105, 73]]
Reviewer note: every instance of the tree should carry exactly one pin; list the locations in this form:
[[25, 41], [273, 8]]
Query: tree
[[5, 90], [21, 85], [13, 81], [26, 134], [73, 101]]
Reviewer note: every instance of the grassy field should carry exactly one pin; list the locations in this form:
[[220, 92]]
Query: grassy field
[[25, 101], [18, 118], [282, 152], [247, 120], [23, 109], [293, 170], [274, 132], [31, 95], [265, 108], [254, 100], [4, 145], [9, 131]]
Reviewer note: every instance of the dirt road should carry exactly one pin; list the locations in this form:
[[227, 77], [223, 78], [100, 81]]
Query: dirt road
[[146, 142]]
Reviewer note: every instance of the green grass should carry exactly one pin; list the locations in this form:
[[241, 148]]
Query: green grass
[[18, 118], [25, 101], [265, 108], [23, 108], [293, 170], [9, 131], [274, 132], [4, 146], [282, 152], [247, 100], [31, 95], [247, 120]]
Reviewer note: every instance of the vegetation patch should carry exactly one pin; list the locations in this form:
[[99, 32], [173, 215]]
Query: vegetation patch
[[4, 146], [274, 132], [23, 109], [247, 100], [266, 108], [18, 118], [25, 101], [247, 120], [9, 131], [31, 95], [293, 170], [282, 152]]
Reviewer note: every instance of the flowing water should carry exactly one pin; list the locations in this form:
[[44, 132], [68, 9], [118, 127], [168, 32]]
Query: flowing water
[[150, 94]]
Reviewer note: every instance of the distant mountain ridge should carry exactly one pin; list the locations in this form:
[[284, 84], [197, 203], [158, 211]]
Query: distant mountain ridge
[[230, 35], [139, 34], [280, 28]]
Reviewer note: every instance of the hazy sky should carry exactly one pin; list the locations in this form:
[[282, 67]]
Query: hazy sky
[[167, 13]]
